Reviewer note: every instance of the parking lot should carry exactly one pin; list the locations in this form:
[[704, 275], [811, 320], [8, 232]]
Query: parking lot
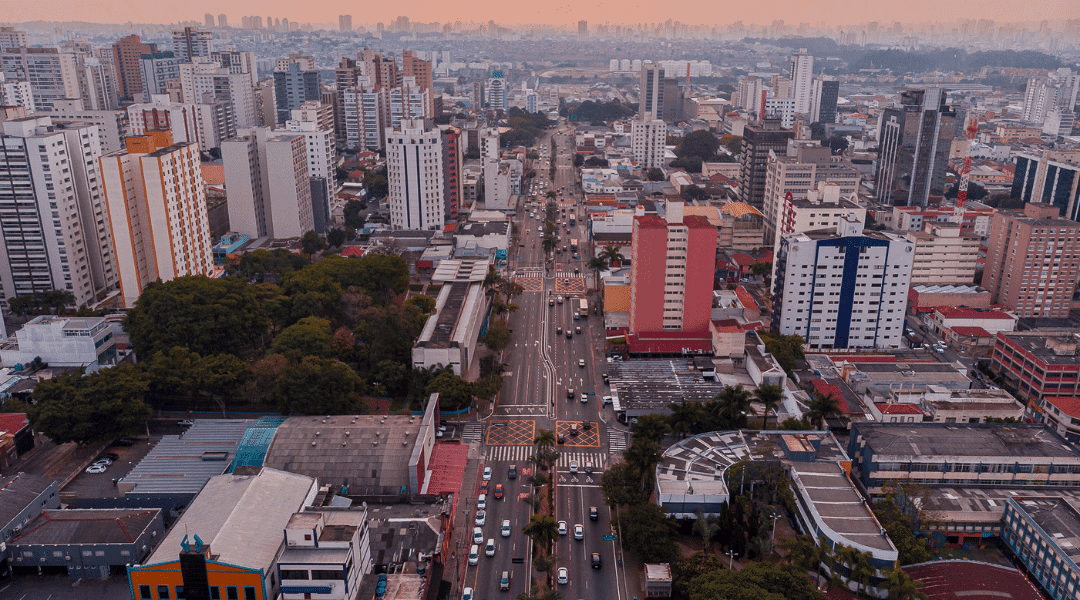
[[101, 485]]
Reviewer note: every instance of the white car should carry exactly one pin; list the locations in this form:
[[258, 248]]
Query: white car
[[474, 554], [579, 532], [573, 466], [562, 527], [477, 535], [540, 229], [581, 363], [481, 518], [103, 462], [95, 469], [481, 502], [466, 594], [564, 577], [489, 550], [506, 528], [487, 473]]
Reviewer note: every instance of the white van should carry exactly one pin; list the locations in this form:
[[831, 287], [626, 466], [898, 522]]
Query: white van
[[474, 554]]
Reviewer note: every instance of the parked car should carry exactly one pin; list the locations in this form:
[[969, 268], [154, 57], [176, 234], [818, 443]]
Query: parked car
[[477, 535], [481, 502], [487, 473], [95, 468], [481, 518]]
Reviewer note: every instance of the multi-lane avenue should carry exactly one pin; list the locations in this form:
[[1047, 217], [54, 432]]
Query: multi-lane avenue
[[551, 353]]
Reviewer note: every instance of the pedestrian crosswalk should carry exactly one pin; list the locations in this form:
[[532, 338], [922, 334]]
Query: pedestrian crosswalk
[[568, 275], [616, 441], [529, 275], [472, 432], [523, 454]]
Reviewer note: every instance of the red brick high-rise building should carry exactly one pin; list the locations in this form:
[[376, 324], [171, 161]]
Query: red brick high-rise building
[[1033, 261], [128, 52]]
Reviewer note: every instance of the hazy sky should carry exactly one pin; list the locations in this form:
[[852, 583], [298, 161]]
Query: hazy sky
[[557, 11]]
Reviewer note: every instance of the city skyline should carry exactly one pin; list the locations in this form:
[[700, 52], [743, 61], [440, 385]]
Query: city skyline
[[842, 13]]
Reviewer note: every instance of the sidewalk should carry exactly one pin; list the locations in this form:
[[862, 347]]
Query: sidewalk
[[463, 520]]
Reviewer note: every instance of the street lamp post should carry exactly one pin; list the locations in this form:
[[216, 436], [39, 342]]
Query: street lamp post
[[772, 536], [731, 559]]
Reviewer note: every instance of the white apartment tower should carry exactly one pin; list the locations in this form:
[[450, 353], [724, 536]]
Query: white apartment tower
[[54, 232], [414, 169], [200, 78], [843, 288], [157, 208], [496, 175], [647, 140], [651, 101], [266, 173], [16, 93], [364, 108], [321, 156], [160, 114], [802, 80], [51, 73]]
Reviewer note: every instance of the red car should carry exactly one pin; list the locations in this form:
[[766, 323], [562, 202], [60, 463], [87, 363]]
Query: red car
[[498, 491], [484, 487]]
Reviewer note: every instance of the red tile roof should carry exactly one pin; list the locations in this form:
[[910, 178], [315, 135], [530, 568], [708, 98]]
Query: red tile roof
[[826, 389], [13, 422], [668, 342], [745, 297], [951, 579], [743, 260], [897, 409], [1069, 405], [971, 331], [353, 251]]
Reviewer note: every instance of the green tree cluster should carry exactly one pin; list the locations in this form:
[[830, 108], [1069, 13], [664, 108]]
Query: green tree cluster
[[47, 302], [786, 349], [95, 408], [701, 144]]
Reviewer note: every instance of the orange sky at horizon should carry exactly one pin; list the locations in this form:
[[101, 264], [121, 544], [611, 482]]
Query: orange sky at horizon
[[793, 12]]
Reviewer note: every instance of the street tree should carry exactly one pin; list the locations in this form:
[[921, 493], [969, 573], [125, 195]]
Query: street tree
[[543, 530], [620, 485], [648, 532], [497, 336], [656, 174], [454, 392], [311, 242], [902, 586], [335, 238]]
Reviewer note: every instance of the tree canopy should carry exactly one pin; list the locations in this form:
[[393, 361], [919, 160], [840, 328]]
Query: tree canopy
[[95, 408], [701, 143], [206, 316]]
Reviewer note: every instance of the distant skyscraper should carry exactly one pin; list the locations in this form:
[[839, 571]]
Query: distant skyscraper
[[802, 74], [344, 23], [496, 92], [209, 19], [158, 215], [266, 173], [651, 102], [583, 28], [823, 100], [414, 167], [531, 99], [72, 249], [914, 143], [190, 42], [222, 21]]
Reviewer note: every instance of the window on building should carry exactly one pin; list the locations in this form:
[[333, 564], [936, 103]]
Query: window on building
[[249, 593], [163, 592]]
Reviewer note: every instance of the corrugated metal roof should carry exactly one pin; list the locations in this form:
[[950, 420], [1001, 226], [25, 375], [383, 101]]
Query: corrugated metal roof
[[176, 465]]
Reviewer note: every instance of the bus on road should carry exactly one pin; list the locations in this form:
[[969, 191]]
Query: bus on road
[[583, 308], [573, 245]]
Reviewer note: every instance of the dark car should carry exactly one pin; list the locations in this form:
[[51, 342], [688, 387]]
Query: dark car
[[593, 514], [569, 334], [124, 442], [111, 456], [596, 560], [607, 380], [587, 425]]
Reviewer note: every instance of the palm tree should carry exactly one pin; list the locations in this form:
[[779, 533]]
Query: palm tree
[[770, 396], [544, 563], [537, 479], [901, 586], [706, 527], [545, 438], [597, 264], [532, 594], [800, 551], [612, 255], [732, 404], [543, 530], [549, 243], [551, 594], [821, 407], [685, 417]]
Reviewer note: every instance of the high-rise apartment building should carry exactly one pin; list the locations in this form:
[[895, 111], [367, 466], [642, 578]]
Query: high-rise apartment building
[[344, 23], [54, 232], [161, 114], [200, 78], [944, 255], [758, 141], [496, 174], [748, 94], [51, 73], [805, 167], [1059, 89], [11, 38], [453, 155], [293, 88], [158, 69], [382, 70], [127, 52], [191, 42], [222, 21], [14, 92], [583, 28], [914, 142], [321, 157], [802, 80], [647, 139], [112, 125], [266, 173], [1032, 260], [420, 71], [237, 61], [364, 111], [823, 99], [157, 210], [1051, 177], [306, 62], [651, 101], [531, 101], [208, 20], [671, 272], [414, 168], [842, 287]]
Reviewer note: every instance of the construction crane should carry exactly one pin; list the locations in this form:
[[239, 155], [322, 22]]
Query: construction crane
[[965, 174]]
